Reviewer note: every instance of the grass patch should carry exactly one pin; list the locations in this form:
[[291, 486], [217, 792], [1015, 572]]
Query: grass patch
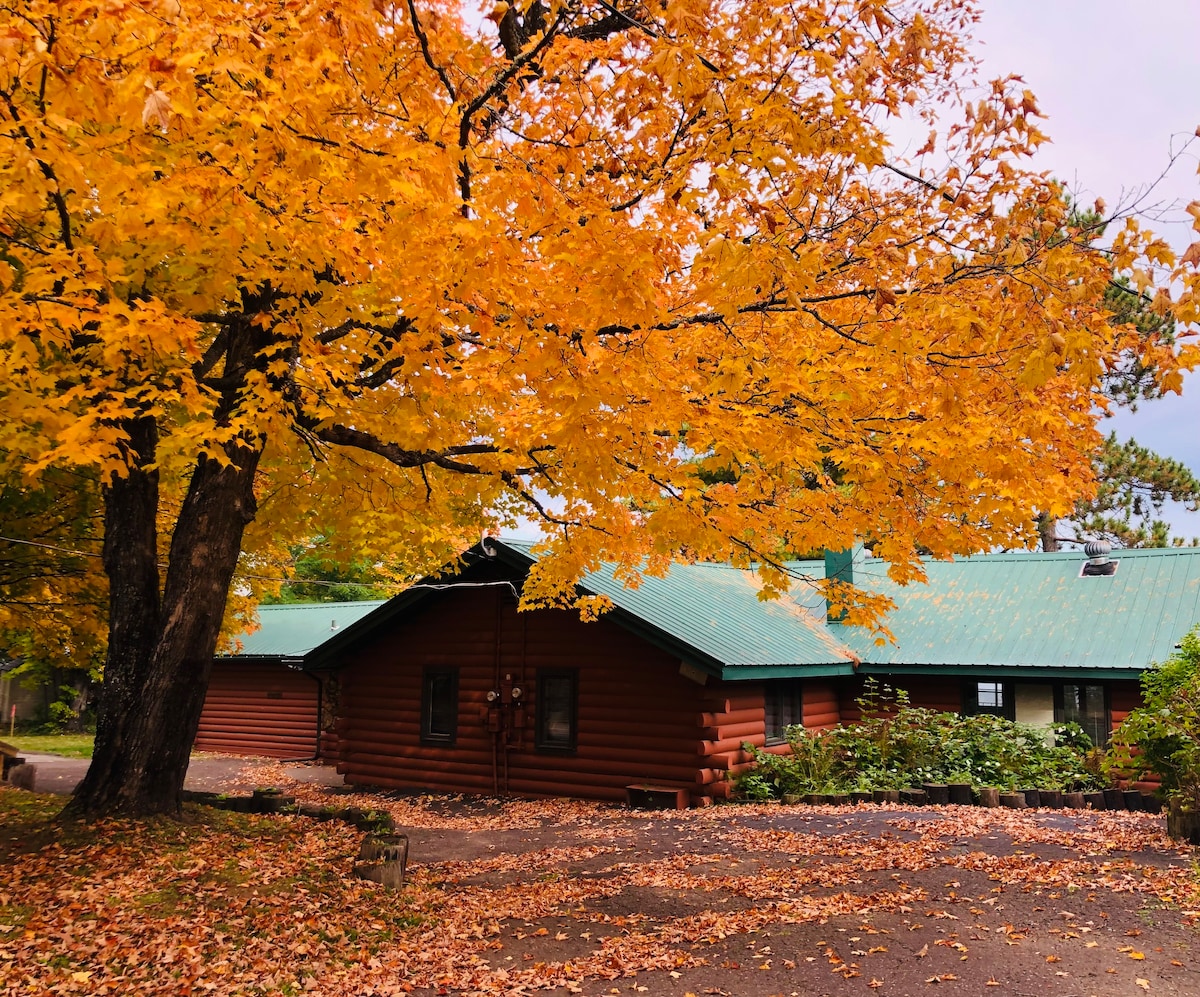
[[67, 745]]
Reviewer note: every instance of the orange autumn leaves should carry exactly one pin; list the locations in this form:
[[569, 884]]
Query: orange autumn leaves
[[517, 897], [657, 274]]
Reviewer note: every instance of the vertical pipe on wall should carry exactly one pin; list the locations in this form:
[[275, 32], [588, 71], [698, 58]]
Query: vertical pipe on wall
[[496, 670]]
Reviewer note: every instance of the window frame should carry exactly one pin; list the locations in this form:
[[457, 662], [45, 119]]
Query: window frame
[[782, 697], [429, 677], [1060, 711], [542, 740], [1008, 701]]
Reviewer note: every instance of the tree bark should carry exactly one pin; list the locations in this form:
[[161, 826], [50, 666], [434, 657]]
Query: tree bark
[[1048, 532], [160, 657]]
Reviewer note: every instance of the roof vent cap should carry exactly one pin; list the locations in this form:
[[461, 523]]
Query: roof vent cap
[[1098, 562]]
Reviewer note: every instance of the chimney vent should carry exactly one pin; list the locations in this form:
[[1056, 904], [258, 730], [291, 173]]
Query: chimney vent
[[1098, 562]]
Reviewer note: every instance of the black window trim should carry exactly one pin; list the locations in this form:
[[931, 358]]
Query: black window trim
[[794, 689], [428, 735], [970, 698], [540, 740], [1060, 696]]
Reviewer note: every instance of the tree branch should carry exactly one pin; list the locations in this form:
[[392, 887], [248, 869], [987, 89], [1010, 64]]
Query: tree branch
[[423, 41]]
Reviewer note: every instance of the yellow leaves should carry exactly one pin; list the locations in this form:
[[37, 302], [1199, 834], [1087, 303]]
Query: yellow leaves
[[769, 287], [156, 112]]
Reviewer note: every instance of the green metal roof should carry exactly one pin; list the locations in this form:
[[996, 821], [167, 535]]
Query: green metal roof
[[1013, 614], [294, 629], [1035, 611], [713, 611]]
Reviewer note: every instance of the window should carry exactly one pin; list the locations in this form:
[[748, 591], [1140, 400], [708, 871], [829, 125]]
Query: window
[[439, 706], [1087, 706], [784, 707], [995, 698], [557, 699], [990, 695]]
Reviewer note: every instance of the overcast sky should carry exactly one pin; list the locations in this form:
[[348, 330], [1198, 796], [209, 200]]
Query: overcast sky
[[1120, 85]]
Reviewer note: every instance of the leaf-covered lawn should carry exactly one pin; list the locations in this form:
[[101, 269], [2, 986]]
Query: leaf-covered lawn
[[564, 897], [68, 745]]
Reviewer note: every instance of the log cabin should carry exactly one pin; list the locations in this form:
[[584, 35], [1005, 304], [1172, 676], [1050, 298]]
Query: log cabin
[[448, 687]]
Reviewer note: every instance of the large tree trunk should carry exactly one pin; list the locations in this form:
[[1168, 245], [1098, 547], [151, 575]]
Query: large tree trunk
[[160, 651]]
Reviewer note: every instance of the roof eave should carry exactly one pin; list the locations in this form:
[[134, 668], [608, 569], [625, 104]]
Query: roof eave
[[750, 673], [1007, 671]]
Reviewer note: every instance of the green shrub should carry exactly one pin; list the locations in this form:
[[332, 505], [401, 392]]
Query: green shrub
[[895, 745], [1163, 735]]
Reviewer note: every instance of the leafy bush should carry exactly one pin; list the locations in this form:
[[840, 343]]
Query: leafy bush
[[896, 744], [1163, 735]]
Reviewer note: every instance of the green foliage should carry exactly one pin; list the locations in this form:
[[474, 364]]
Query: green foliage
[[320, 575], [896, 745], [1134, 483], [1163, 735]]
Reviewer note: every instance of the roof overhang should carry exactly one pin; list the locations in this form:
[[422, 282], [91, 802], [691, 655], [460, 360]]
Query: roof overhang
[[1033, 672]]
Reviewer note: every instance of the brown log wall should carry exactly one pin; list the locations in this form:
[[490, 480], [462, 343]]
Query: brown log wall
[[931, 692], [259, 709], [1123, 697], [821, 704], [637, 720]]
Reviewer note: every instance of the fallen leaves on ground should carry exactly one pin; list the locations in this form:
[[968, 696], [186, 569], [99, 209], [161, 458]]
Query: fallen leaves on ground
[[231, 904]]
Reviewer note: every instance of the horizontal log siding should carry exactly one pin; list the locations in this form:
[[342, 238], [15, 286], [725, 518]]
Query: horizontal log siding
[[1123, 697], [259, 709], [931, 692], [821, 704], [736, 714], [637, 720]]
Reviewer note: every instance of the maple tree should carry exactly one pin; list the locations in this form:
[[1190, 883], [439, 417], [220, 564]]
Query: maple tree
[[273, 267]]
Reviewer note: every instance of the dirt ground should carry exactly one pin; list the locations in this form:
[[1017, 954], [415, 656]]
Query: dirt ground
[[571, 898]]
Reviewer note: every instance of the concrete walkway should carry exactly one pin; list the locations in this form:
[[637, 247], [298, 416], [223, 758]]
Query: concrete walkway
[[211, 773]]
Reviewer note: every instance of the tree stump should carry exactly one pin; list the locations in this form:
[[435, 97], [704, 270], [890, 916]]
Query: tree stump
[[22, 776], [1015, 801], [1033, 798], [1095, 801], [1074, 801], [1183, 824], [938, 793], [913, 797], [1114, 799], [270, 801], [960, 793], [1133, 799], [886, 796], [814, 799], [989, 796], [1052, 798], [383, 859]]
